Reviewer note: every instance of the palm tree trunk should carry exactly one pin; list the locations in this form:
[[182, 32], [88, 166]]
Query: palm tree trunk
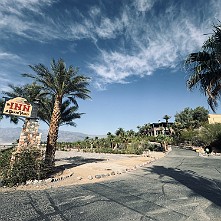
[[53, 135]]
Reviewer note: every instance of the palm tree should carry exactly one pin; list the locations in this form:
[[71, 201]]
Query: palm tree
[[31, 92], [110, 136], [166, 118], [60, 83], [68, 112], [143, 130], [120, 132], [205, 68], [28, 91]]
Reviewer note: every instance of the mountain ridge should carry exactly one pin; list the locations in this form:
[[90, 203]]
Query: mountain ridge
[[9, 135]]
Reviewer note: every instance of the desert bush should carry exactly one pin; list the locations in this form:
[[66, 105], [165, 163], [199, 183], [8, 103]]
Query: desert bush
[[5, 157], [27, 165], [189, 137], [103, 150], [135, 148], [151, 138], [210, 135]]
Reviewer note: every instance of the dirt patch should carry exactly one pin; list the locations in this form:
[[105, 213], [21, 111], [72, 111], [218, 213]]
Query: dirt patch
[[73, 168]]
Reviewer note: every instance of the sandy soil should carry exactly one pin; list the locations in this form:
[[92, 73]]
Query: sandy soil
[[73, 168]]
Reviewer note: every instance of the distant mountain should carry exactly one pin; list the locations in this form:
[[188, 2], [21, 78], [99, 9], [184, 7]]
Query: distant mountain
[[10, 135]]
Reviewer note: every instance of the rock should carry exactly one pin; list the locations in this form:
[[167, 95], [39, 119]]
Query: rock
[[90, 177], [29, 182], [35, 182], [79, 178], [48, 180], [97, 176], [113, 173]]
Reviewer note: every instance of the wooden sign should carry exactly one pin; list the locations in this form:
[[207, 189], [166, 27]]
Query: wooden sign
[[18, 106]]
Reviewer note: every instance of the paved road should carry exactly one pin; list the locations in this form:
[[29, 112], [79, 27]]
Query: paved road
[[181, 186]]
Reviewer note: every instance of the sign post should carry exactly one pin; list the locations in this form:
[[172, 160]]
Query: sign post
[[18, 107]]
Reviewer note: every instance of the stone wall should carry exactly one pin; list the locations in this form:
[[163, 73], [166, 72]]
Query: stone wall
[[29, 135]]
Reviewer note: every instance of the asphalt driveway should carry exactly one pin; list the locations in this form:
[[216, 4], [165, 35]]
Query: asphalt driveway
[[181, 186]]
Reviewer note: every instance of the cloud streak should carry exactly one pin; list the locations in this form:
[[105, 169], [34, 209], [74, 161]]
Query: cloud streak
[[136, 40], [156, 41]]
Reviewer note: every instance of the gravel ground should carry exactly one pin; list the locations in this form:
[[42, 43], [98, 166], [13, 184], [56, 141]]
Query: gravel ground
[[74, 168]]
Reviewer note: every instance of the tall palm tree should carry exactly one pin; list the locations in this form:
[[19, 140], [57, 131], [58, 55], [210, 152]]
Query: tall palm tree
[[166, 118], [32, 92], [68, 112], [61, 83], [28, 91], [205, 68], [110, 136]]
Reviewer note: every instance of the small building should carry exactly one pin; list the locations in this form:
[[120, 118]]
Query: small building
[[160, 128], [214, 118]]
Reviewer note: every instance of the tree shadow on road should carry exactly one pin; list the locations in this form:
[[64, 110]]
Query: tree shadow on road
[[207, 188]]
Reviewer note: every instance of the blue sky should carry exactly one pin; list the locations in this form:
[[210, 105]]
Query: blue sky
[[133, 50]]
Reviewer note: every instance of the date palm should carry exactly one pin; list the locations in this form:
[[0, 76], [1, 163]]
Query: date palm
[[166, 118], [31, 92], [68, 112], [205, 68], [28, 91], [60, 83]]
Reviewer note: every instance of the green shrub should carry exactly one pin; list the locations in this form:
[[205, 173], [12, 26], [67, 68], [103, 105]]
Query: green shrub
[[151, 147], [152, 138], [28, 165], [210, 135], [135, 148], [5, 157], [103, 150], [117, 151]]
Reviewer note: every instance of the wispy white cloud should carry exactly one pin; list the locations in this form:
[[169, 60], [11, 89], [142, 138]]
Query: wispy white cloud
[[144, 5], [156, 41], [16, 6], [94, 25], [145, 40], [10, 69], [19, 17], [8, 56]]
